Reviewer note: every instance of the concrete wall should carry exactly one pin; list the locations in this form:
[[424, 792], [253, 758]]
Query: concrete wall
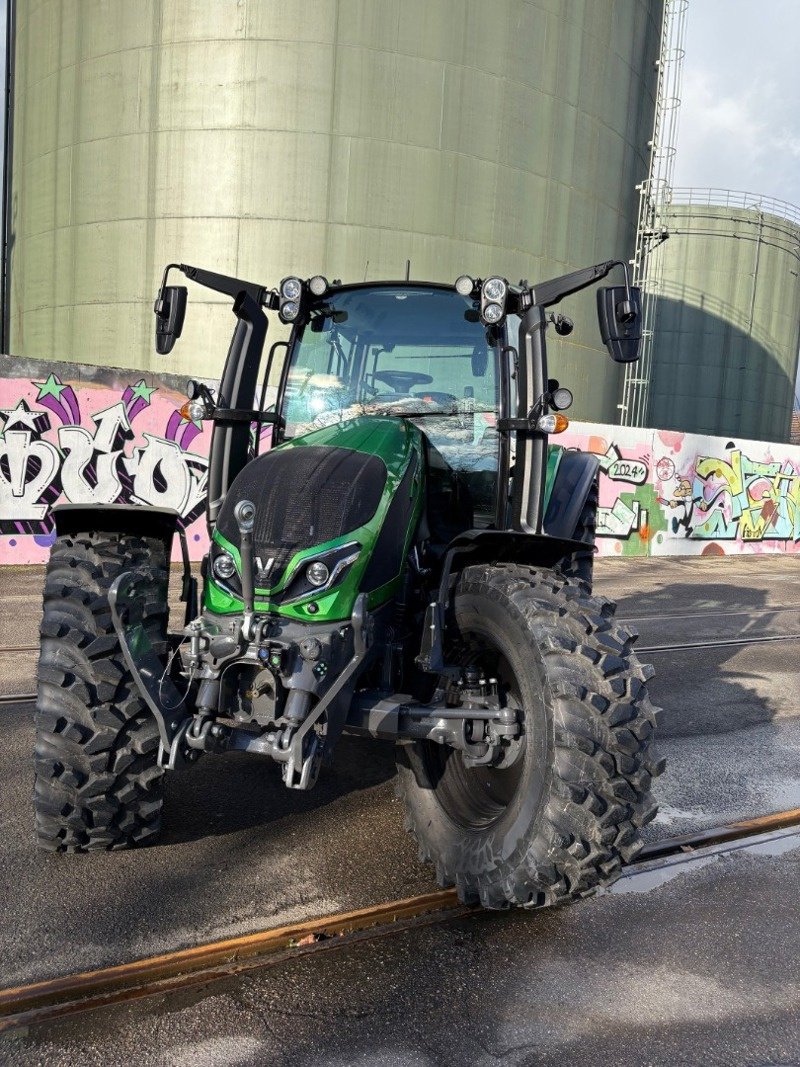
[[268, 137], [91, 435]]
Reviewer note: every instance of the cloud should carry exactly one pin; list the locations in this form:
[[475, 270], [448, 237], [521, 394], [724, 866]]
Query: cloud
[[739, 123]]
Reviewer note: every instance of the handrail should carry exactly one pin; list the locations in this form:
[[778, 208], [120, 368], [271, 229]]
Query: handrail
[[734, 198]]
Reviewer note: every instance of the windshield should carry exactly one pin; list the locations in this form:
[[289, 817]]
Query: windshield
[[407, 351]]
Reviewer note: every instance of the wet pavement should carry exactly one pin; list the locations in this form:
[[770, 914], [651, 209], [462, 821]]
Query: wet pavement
[[701, 969], [240, 852]]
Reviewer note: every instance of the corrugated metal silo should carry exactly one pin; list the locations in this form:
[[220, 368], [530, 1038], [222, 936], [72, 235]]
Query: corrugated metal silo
[[727, 324]]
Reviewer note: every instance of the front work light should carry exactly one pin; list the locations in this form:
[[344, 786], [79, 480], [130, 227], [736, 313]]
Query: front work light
[[318, 285], [291, 292], [291, 288], [494, 293], [561, 398], [495, 289], [465, 285]]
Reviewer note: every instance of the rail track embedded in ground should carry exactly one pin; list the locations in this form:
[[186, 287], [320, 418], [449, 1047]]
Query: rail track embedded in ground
[[642, 650], [55, 998]]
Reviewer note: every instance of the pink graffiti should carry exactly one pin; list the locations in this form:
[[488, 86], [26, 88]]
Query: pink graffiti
[[78, 442]]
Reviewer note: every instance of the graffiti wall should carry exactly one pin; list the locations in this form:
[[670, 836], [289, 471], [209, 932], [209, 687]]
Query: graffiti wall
[[100, 436], [667, 493], [91, 436]]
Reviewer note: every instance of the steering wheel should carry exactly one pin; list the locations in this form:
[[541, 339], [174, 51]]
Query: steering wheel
[[402, 380]]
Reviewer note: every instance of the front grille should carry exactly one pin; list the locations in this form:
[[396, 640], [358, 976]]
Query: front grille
[[304, 496]]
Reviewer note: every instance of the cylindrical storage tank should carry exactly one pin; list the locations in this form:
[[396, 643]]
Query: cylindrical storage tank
[[344, 137], [727, 319]]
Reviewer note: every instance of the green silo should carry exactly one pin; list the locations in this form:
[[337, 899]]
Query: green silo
[[727, 322], [267, 137]]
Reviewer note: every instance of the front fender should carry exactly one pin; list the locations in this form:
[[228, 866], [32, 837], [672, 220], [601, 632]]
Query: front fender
[[117, 518]]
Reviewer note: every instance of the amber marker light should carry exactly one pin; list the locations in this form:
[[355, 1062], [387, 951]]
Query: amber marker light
[[193, 411], [552, 423]]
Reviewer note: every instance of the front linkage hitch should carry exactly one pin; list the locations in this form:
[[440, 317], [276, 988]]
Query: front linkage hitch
[[187, 722]]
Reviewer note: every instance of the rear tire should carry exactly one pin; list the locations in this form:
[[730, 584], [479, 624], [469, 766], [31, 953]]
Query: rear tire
[[98, 784], [569, 813]]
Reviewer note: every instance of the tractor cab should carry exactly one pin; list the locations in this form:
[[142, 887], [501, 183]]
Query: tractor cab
[[409, 351]]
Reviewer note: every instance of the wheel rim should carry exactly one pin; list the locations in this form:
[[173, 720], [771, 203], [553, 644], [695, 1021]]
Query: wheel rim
[[478, 797]]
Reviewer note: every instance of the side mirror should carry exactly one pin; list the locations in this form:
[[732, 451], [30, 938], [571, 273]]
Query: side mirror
[[619, 314], [170, 309]]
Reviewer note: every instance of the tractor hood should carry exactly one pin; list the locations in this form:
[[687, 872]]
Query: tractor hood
[[347, 496]]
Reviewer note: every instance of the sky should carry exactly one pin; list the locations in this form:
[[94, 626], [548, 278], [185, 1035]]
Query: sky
[[740, 111]]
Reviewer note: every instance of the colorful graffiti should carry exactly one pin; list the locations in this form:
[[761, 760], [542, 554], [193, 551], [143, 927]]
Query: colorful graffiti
[[63, 438], [83, 443], [687, 494]]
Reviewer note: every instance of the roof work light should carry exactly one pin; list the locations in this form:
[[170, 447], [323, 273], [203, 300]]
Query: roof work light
[[494, 294]]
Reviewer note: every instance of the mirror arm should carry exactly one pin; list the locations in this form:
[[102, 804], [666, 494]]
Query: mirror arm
[[222, 283], [165, 276], [556, 289]]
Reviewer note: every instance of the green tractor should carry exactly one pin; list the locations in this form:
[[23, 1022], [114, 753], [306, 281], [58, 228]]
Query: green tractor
[[409, 560]]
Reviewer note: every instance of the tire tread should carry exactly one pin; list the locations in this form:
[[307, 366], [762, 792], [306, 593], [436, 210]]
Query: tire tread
[[97, 784], [603, 764]]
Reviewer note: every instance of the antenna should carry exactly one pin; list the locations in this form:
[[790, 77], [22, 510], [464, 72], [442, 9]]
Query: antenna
[[408, 269]]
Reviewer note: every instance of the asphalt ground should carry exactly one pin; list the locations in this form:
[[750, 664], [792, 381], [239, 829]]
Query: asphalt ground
[[706, 960], [699, 970]]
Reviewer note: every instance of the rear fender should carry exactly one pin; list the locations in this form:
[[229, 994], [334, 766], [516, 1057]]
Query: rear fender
[[481, 546], [573, 482]]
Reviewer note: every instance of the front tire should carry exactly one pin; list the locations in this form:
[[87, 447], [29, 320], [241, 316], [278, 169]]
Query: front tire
[[562, 819], [98, 784]]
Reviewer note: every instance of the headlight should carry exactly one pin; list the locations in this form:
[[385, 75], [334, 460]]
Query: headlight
[[317, 573], [494, 289], [321, 574], [224, 567], [494, 294], [290, 310], [291, 288]]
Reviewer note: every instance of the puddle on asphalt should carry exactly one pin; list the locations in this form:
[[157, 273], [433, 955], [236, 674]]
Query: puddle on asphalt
[[668, 814], [648, 879]]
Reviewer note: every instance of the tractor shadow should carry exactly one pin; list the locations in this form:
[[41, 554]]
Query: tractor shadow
[[717, 688], [238, 791], [729, 727]]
